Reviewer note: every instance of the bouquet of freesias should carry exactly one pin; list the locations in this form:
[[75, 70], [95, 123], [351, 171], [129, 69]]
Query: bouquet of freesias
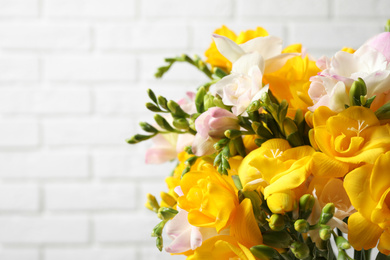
[[280, 156]]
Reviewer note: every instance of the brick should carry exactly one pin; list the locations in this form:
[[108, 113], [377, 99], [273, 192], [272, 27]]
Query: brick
[[37, 230], [91, 68], [127, 165], [19, 254], [123, 101], [361, 8], [332, 36], [18, 8], [283, 8], [48, 36], [177, 8], [87, 131], [19, 197], [114, 37], [125, 228], [18, 133], [44, 101], [19, 68], [91, 8], [90, 254], [157, 36], [90, 196], [43, 165]]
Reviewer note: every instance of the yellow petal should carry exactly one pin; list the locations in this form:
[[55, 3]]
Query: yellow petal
[[325, 166], [244, 226], [357, 185], [384, 243], [293, 48], [380, 180], [321, 115], [362, 234], [381, 214]]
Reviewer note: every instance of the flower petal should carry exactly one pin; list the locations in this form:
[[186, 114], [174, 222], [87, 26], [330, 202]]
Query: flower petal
[[228, 48], [362, 234], [268, 46]]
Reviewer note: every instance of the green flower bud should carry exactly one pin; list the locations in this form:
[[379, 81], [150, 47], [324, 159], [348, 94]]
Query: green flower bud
[[220, 144], [325, 232], [387, 26], [152, 203], [159, 243], [306, 203], [301, 225], [208, 101], [181, 123], [166, 213], [300, 250], [254, 106], [151, 95], [232, 133], [162, 101], [157, 230], [152, 107], [199, 100], [163, 123], [342, 243], [264, 252], [276, 222], [277, 239], [147, 127], [175, 109], [138, 138], [327, 213], [357, 90]]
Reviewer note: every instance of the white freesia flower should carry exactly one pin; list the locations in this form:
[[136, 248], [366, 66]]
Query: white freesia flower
[[331, 87], [250, 61]]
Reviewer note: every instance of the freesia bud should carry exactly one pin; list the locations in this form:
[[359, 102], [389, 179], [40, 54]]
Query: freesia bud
[[152, 203], [327, 213], [301, 225], [276, 222], [325, 232], [157, 230], [168, 199], [208, 101], [342, 243], [306, 204], [264, 252], [300, 250], [166, 213], [357, 90], [175, 109], [159, 243]]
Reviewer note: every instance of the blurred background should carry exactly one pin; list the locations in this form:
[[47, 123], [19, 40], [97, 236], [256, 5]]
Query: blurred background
[[73, 80]]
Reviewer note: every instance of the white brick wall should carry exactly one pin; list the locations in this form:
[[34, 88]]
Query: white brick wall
[[73, 75]]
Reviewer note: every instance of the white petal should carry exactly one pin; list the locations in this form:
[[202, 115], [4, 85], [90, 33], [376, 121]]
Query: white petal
[[268, 46], [228, 48], [246, 62]]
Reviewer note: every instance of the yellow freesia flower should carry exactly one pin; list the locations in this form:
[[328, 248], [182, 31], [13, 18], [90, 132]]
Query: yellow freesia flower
[[279, 171], [209, 198], [291, 82], [368, 187], [244, 233], [346, 140], [215, 59]]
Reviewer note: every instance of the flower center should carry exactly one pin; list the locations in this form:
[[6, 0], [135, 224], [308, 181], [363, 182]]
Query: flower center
[[360, 129], [275, 153]]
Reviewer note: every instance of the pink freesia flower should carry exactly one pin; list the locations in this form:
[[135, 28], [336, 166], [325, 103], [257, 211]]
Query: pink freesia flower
[[381, 43], [210, 127], [371, 62], [167, 146]]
